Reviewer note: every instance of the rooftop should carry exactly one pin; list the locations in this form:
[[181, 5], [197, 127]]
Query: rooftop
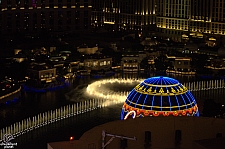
[[162, 133]]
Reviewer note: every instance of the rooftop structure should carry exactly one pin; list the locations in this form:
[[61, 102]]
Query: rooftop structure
[[153, 132]]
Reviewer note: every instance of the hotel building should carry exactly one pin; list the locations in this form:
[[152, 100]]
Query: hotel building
[[124, 15], [181, 19], [176, 19], [121, 15], [34, 16]]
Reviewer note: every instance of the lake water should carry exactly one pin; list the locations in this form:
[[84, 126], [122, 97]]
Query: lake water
[[33, 103]]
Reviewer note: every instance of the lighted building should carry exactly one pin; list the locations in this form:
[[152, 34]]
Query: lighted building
[[130, 61], [119, 15], [97, 62], [19, 57], [84, 49], [33, 16], [173, 18], [190, 48], [182, 19], [182, 65], [41, 73], [159, 96], [216, 65]]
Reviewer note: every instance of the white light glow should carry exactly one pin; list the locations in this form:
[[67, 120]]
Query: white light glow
[[130, 113], [101, 89]]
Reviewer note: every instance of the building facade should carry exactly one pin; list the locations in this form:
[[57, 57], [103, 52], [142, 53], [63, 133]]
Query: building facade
[[41, 74], [179, 19], [176, 19], [33, 16], [123, 15], [98, 63], [130, 61]]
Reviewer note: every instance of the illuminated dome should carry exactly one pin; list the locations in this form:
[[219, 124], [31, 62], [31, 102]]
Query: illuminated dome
[[159, 96]]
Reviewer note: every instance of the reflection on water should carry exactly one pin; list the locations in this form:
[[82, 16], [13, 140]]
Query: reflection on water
[[62, 130], [77, 125], [217, 94]]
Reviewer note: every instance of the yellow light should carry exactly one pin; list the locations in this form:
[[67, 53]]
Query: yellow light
[[10, 93], [183, 59], [212, 39], [106, 22]]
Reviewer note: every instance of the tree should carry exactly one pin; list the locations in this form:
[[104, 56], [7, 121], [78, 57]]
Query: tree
[[18, 70], [211, 108], [200, 62], [161, 63]]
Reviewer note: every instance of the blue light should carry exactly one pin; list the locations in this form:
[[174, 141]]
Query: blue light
[[138, 100], [168, 96], [133, 97], [8, 102], [144, 101], [160, 95]]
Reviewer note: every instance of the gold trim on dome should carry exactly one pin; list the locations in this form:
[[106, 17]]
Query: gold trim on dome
[[161, 91]]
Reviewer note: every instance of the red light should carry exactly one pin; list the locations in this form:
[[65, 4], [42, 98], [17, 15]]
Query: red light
[[71, 138]]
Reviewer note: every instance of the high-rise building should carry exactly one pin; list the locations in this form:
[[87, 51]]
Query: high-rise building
[[172, 17], [179, 19], [33, 16], [176, 19], [123, 15]]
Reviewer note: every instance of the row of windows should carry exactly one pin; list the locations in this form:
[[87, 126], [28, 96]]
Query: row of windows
[[43, 6], [51, 28], [97, 63], [47, 75], [19, 2], [50, 14], [184, 62]]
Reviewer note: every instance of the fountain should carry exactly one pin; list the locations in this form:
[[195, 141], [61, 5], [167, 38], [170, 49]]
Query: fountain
[[103, 98]]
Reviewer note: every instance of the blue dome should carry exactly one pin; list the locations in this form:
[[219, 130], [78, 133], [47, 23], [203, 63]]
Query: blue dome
[[159, 96]]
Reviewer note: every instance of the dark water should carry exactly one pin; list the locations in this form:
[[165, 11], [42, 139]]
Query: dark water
[[62, 130], [33, 103]]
